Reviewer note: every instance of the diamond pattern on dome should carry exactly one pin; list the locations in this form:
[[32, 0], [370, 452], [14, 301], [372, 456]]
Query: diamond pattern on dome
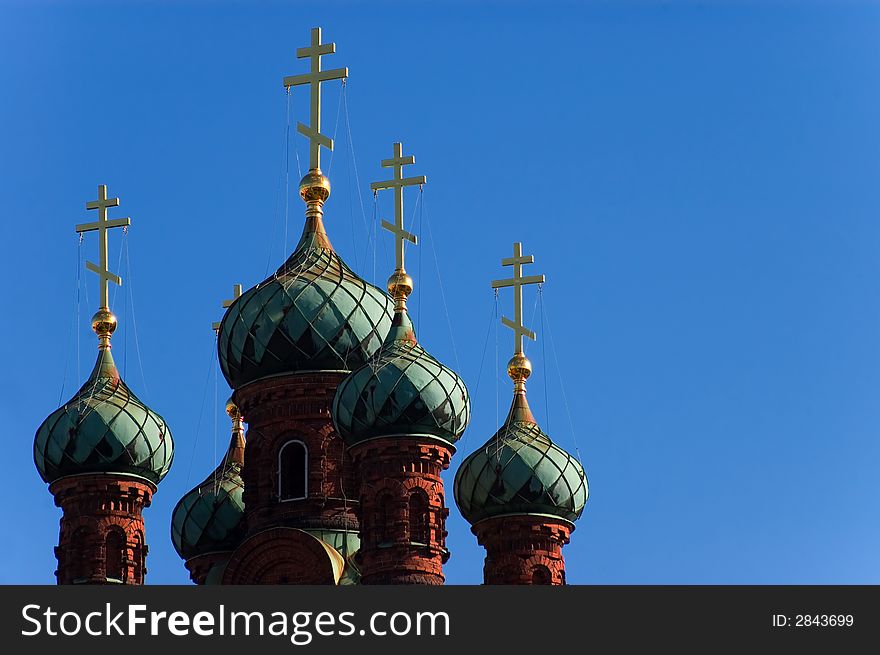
[[520, 471], [314, 313], [208, 518], [401, 390], [104, 428]]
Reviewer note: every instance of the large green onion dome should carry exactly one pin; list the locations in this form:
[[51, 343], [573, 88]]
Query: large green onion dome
[[520, 470], [401, 390], [312, 314], [104, 428], [208, 518]]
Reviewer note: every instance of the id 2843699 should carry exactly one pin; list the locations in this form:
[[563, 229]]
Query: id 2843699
[[812, 621]]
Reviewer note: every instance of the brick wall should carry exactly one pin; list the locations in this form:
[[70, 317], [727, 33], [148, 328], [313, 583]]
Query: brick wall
[[523, 549], [295, 407], [102, 529], [399, 475]]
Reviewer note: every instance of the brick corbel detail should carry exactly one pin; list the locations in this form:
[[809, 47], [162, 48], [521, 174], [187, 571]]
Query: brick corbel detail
[[523, 550], [93, 506], [395, 468]]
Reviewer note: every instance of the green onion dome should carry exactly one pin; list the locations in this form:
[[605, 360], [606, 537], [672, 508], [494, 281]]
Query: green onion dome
[[520, 471], [312, 314], [104, 428], [402, 390], [208, 518]]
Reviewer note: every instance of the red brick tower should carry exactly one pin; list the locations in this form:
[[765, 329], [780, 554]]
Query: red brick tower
[[522, 494], [102, 453], [519, 491], [400, 414], [402, 509], [284, 346], [299, 487], [293, 413], [102, 529]]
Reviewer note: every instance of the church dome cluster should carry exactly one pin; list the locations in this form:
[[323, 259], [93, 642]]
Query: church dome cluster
[[351, 422], [104, 427]]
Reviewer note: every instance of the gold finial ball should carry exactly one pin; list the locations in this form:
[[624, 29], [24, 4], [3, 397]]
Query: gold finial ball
[[104, 322], [519, 368], [314, 186], [400, 284], [232, 410]]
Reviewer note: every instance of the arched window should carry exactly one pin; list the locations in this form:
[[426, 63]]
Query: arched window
[[540, 575], [419, 523], [293, 470], [77, 564], [114, 544], [384, 517]]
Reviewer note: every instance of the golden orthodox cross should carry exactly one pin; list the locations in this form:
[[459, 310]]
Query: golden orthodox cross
[[314, 78], [397, 183], [102, 225], [236, 293], [517, 282]]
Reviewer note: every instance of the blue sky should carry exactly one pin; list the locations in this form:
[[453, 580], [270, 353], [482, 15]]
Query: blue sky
[[697, 180]]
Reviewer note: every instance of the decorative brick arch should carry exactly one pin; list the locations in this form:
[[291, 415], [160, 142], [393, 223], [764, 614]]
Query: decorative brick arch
[[425, 485], [418, 516], [115, 553], [391, 486], [73, 558], [541, 575], [284, 556]]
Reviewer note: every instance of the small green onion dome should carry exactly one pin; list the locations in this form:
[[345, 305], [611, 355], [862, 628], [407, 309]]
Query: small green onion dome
[[208, 518], [520, 471], [104, 428], [401, 390], [313, 314]]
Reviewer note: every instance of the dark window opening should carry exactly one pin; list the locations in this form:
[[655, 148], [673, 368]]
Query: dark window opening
[[419, 522], [78, 567], [540, 575], [383, 519], [113, 555], [292, 471]]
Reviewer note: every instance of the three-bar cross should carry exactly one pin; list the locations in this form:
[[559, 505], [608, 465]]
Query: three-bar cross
[[314, 78], [517, 282], [102, 225], [397, 183]]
